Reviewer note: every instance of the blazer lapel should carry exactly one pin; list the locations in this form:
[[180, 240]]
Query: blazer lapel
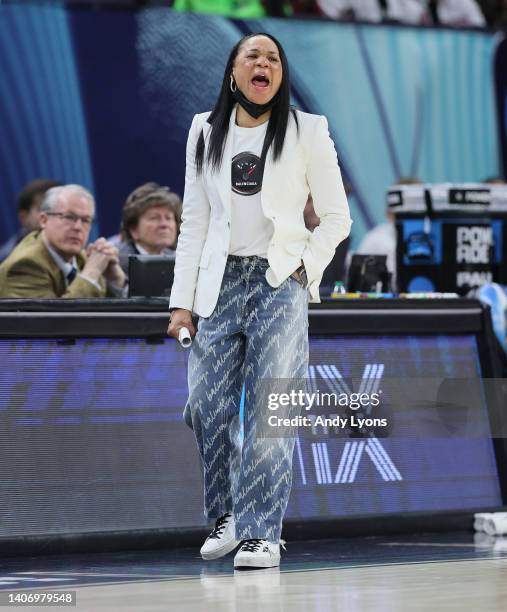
[[224, 178], [270, 193], [267, 183]]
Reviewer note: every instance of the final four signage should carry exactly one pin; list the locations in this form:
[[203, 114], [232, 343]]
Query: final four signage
[[465, 225], [470, 196], [475, 246], [354, 452]]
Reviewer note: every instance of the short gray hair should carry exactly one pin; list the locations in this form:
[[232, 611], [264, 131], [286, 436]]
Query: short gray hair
[[53, 195]]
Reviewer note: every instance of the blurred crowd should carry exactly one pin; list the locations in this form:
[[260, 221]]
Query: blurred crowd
[[450, 13]]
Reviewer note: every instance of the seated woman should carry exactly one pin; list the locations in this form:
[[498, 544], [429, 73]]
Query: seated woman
[[150, 224]]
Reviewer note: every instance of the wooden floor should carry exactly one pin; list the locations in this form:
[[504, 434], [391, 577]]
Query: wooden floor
[[475, 586], [445, 572]]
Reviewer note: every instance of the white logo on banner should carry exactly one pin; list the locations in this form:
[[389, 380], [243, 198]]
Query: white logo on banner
[[355, 450], [473, 244]]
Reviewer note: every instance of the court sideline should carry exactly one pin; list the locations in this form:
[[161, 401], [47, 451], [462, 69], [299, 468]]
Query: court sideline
[[454, 571]]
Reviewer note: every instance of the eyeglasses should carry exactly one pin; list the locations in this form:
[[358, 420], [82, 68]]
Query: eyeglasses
[[71, 218]]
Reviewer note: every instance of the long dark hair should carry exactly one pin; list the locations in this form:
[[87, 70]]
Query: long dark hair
[[221, 113]]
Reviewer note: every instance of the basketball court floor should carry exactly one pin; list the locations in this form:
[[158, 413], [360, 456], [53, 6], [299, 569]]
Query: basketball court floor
[[439, 572]]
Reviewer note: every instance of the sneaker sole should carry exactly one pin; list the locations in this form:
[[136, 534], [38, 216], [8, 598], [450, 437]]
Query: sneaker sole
[[256, 563], [220, 552]]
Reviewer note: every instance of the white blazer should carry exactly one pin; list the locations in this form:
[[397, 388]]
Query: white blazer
[[308, 164]]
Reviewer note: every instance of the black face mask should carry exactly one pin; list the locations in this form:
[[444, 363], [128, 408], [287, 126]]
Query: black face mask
[[254, 110]]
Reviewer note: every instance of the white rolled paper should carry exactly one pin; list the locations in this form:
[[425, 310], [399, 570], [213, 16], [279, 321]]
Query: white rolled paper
[[184, 337], [496, 524], [480, 519]]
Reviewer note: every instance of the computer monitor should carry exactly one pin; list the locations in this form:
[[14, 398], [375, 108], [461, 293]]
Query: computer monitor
[[150, 275], [368, 273]]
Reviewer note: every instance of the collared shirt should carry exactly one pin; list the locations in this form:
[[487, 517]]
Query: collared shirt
[[140, 249], [166, 252], [67, 266]]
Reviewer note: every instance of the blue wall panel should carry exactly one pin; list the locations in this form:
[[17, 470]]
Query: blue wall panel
[[41, 115]]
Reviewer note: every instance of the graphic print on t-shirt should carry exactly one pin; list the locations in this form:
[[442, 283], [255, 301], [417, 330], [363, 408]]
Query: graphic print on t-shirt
[[246, 173]]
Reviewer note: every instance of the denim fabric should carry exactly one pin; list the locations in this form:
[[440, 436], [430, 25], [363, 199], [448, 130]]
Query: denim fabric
[[256, 332]]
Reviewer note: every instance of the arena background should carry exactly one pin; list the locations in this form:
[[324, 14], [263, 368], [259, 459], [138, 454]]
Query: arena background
[[105, 99]]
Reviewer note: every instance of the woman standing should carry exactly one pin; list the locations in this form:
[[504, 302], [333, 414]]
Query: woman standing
[[246, 264]]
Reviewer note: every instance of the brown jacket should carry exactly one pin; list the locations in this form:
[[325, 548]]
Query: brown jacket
[[31, 272]]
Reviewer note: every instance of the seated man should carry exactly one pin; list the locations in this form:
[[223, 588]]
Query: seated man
[[381, 239], [29, 202], [51, 262]]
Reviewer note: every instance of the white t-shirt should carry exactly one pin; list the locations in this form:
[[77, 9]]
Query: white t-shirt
[[251, 231]]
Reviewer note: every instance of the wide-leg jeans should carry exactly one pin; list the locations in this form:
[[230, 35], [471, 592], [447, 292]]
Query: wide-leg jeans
[[256, 333]]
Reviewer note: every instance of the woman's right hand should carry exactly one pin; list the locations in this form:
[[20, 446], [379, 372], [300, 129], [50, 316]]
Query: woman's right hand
[[180, 318]]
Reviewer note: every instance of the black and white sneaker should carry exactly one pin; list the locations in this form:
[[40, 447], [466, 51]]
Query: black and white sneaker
[[258, 553], [221, 540]]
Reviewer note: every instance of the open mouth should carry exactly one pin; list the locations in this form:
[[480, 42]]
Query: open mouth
[[260, 81]]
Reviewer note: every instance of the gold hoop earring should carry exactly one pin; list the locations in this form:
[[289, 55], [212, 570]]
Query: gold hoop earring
[[233, 84]]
